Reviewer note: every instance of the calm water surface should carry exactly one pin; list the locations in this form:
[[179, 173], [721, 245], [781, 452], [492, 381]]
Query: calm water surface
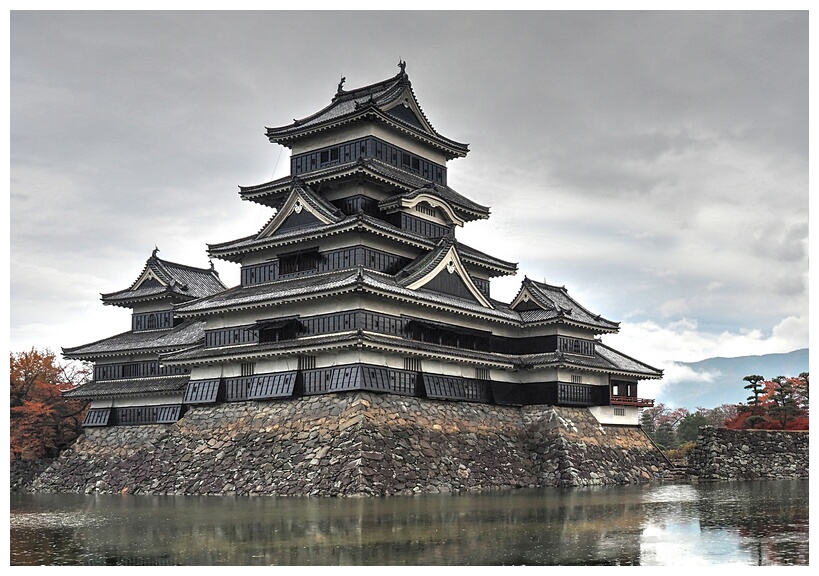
[[744, 523]]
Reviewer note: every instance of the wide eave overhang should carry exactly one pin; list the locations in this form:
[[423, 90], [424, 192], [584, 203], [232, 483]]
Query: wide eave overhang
[[274, 193], [235, 250], [162, 385], [287, 135], [609, 362], [187, 334]]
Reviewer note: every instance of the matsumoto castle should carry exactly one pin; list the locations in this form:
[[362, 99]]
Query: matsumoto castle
[[356, 282]]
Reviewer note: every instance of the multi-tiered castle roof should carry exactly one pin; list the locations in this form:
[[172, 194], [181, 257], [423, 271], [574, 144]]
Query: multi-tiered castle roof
[[358, 282]]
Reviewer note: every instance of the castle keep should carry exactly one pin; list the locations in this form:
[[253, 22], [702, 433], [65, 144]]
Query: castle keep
[[356, 284]]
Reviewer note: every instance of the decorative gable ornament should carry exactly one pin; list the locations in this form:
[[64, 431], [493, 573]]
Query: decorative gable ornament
[[451, 262], [300, 200]]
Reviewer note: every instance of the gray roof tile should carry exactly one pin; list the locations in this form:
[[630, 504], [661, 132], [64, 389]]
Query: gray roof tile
[[605, 358], [180, 281], [125, 387], [555, 302], [187, 333], [347, 105]]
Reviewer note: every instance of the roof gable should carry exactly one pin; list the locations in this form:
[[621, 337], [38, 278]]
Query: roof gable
[[404, 106], [382, 101], [163, 279], [426, 195], [440, 267], [538, 302], [301, 209]]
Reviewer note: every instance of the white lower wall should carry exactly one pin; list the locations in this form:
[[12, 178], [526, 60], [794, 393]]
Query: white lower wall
[[607, 415]]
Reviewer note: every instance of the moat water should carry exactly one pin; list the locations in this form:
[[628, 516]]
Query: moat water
[[739, 523]]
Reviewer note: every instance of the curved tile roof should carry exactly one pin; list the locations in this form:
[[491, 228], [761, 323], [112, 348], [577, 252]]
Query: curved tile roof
[[176, 281], [605, 358], [413, 184], [232, 249], [302, 287], [125, 387], [555, 302], [187, 333], [426, 262], [348, 105]]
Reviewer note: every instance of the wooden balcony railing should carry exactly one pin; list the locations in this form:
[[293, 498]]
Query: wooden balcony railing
[[631, 401]]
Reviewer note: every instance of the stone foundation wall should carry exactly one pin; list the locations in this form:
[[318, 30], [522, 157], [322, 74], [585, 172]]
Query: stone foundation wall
[[721, 454], [355, 444], [23, 472]]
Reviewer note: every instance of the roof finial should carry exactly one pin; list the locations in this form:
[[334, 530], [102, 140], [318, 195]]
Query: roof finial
[[402, 65], [340, 84], [156, 249]]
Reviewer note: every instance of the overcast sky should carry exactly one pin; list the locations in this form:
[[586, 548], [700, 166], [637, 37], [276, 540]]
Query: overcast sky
[[656, 164]]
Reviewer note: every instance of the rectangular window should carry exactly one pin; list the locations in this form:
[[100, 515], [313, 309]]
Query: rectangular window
[[248, 368], [299, 262], [577, 379], [413, 364], [619, 411], [307, 362], [482, 373]]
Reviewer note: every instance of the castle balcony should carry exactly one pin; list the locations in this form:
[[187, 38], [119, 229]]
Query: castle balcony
[[631, 401]]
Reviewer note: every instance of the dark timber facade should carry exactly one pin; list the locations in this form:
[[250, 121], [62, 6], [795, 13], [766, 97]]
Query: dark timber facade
[[357, 282]]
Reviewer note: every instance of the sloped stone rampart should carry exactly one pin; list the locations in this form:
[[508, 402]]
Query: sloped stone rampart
[[355, 444], [722, 454]]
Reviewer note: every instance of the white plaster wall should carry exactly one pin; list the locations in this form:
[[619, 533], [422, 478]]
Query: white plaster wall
[[606, 415], [125, 402], [157, 306], [594, 378]]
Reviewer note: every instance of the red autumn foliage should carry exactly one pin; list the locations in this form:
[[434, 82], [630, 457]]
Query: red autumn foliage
[[42, 421], [782, 405], [740, 422]]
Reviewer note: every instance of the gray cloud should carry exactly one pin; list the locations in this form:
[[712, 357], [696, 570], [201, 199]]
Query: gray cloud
[[656, 163]]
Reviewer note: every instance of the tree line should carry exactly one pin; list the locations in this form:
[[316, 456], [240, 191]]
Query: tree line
[[42, 421], [779, 403]]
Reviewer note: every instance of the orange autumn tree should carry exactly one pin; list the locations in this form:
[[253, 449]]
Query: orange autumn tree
[[42, 421], [780, 403]]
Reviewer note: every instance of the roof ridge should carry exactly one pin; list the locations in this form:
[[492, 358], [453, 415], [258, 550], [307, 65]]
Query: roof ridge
[[342, 95]]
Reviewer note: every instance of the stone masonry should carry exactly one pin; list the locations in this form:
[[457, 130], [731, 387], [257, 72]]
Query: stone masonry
[[722, 454], [355, 444]]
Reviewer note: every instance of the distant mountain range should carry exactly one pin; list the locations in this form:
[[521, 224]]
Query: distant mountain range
[[716, 381]]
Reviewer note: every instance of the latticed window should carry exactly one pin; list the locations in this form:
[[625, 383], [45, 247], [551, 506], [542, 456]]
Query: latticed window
[[248, 368], [413, 364], [307, 362], [482, 373], [575, 346], [299, 262], [577, 379]]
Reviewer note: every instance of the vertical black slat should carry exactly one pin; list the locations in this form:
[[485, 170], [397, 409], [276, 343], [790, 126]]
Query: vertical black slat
[[369, 379], [345, 376], [383, 378], [307, 383], [335, 376]]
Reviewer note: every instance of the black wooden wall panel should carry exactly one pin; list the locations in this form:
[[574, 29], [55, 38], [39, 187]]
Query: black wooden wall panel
[[274, 385], [202, 391]]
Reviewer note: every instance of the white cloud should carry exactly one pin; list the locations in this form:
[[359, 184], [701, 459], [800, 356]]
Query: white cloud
[[663, 177], [660, 345]]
